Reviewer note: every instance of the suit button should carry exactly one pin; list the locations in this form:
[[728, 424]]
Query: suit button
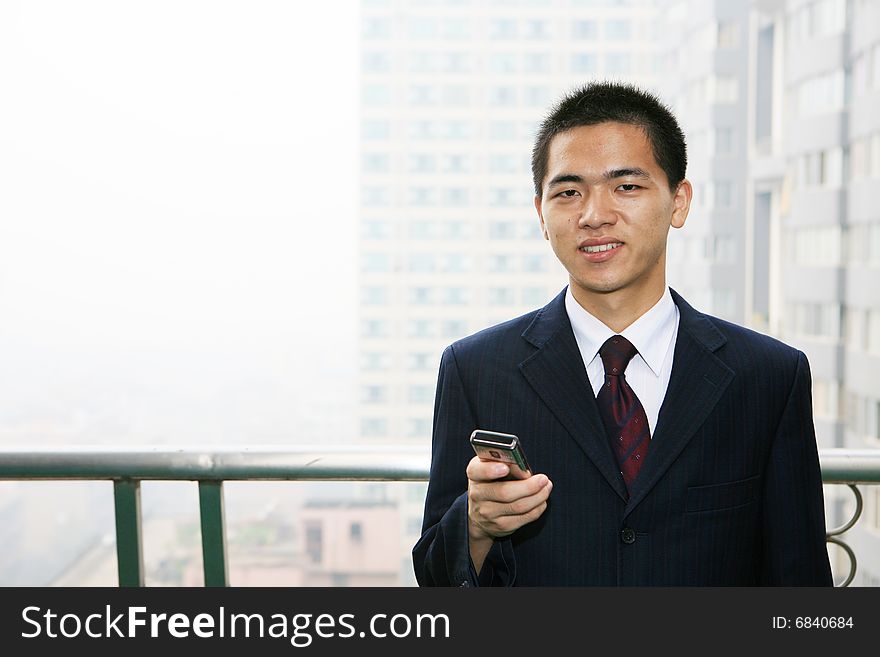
[[464, 584], [627, 535]]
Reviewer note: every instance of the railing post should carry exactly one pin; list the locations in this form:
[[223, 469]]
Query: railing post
[[213, 533], [129, 543]]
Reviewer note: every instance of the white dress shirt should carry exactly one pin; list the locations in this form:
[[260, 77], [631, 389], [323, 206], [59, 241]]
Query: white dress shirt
[[653, 334]]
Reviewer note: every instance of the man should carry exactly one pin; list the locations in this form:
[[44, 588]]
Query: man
[[668, 447]]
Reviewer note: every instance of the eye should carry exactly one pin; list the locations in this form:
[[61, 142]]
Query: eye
[[628, 187], [568, 193]]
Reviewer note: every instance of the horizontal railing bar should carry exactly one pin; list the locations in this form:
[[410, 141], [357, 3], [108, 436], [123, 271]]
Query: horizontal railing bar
[[301, 463], [850, 466], [226, 463]]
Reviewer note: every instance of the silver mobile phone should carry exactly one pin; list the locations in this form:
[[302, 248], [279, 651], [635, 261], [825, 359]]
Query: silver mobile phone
[[503, 447]]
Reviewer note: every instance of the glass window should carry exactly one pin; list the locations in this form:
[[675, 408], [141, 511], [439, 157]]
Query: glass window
[[618, 30], [374, 295], [585, 62], [421, 296], [373, 427], [421, 394], [582, 29], [374, 328], [376, 262], [376, 163], [374, 129], [424, 263], [536, 63], [501, 296], [376, 94], [618, 63], [374, 394], [455, 296], [502, 230], [375, 229], [535, 262], [376, 62], [420, 361]]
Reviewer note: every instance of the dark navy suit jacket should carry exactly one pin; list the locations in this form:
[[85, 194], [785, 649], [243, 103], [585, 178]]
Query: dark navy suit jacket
[[730, 492]]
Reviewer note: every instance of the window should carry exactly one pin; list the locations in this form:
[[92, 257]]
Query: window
[[500, 263], [419, 428], [502, 62], [376, 262], [618, 30], [376, 94], [617, 63], [455, 296], [376, 62], [424, 263], [374, 295], [534, 262], [375, 196], [375, 361], [374, 129], [419, 394], [502, 230], [420, 328], [420, 361], [453, 329], [374, 427], [421, 296], [536, 63], [585, 62], [376, 163], [375, 229], [501, 296], [584, 30], [356, 532], [314, 540], [503, 28], [374, 328], [422, 163], [373, 394], [503, 163]]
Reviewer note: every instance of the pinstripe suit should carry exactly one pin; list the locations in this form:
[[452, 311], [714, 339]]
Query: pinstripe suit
[[730, 492]]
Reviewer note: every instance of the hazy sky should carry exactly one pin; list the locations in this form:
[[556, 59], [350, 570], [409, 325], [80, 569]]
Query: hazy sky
[[178, 189]]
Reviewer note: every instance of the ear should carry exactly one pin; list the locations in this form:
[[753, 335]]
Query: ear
[[681, 203], [541, 218]]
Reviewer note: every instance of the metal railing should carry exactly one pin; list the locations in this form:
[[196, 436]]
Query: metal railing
[[211, 466]]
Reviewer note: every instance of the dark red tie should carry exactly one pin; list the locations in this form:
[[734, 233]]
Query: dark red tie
[[622, 413]]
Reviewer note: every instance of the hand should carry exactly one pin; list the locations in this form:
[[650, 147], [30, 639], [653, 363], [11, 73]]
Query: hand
[[499, 508]]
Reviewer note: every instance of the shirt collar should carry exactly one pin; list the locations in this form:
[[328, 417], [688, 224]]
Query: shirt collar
[[650, 334]]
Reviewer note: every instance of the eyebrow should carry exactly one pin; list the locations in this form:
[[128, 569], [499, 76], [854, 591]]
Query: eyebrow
[[627, 172]]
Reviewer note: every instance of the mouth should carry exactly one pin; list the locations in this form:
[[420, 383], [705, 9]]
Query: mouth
[[601, 248], [594, 253]]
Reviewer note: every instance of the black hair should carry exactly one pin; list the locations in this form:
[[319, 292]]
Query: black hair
[[599, 102]]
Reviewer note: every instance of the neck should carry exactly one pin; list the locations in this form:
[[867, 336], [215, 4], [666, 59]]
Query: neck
[[620, 308]]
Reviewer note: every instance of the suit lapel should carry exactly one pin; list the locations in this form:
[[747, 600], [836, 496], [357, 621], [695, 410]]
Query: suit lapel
[[557, 374], [696, 383]]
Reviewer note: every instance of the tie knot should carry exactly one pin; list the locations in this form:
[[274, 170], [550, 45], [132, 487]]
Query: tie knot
[[616, 354]]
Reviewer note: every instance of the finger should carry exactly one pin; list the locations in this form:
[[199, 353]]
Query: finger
[[480, 470], [505, 525], [510, 491], [524, 505]]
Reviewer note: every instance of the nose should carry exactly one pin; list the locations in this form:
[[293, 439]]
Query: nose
[[598, 210]]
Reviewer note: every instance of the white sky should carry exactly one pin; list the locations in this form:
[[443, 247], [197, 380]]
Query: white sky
[[178, 189]]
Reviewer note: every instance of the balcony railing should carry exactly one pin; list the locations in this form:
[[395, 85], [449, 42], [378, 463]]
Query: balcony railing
[[210, 467]]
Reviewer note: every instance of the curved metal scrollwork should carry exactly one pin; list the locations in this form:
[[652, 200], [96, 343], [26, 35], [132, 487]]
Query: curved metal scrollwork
[[831, 536]]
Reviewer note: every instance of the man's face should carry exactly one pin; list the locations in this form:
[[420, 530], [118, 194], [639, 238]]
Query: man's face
[[606, 209]]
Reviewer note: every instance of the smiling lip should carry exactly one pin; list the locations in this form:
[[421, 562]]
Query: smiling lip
[[599, 249]]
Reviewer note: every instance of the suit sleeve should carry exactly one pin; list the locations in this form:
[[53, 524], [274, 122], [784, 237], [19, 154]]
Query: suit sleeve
[[794, 551], [442, 557]]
